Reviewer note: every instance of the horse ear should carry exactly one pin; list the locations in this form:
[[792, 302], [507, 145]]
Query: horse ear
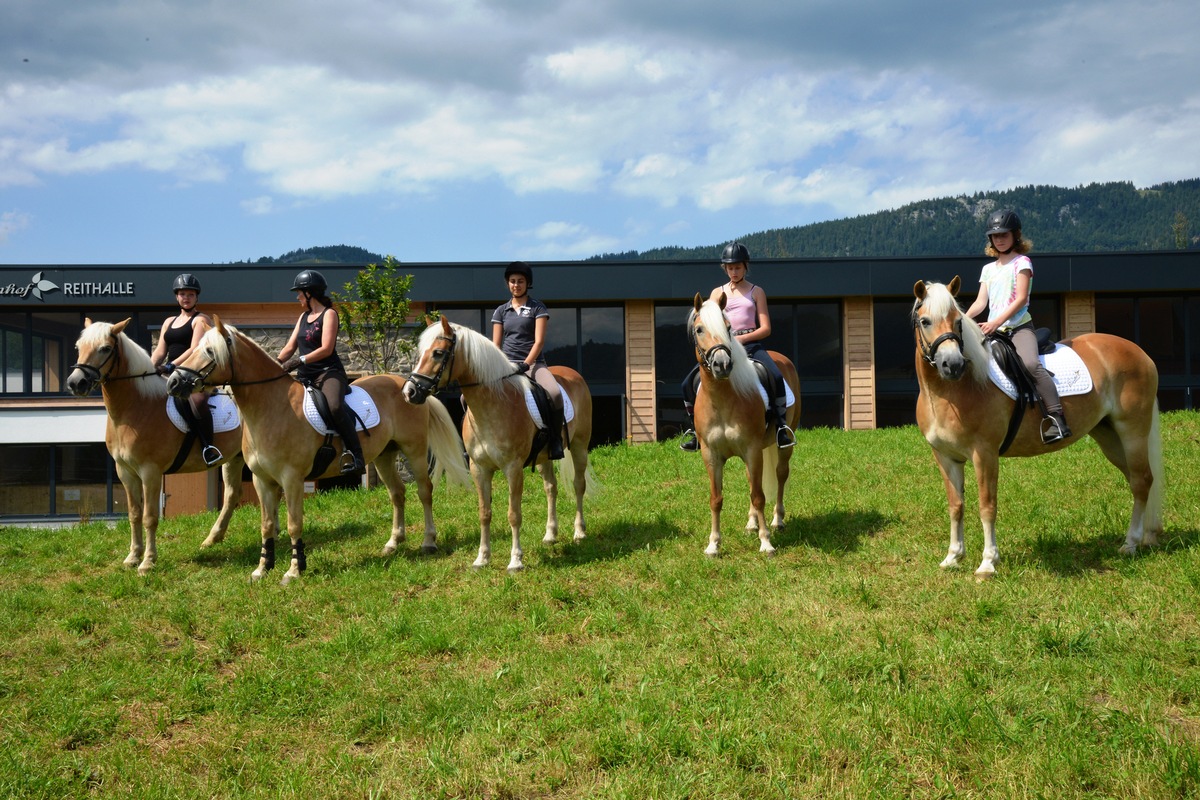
[[429, 321], [954, 286], [220, 326], [722, 300], [446, 325], [87, 322], [919, 290], [120, 326], [699, 301]]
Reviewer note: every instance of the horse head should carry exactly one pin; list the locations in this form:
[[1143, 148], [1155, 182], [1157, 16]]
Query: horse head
[[210, 364], [709, 331], [938, 328], [99, 351], [435, 358]]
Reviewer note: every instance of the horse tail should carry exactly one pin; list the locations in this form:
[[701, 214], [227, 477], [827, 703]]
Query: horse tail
[[446, 445], [770, 480], [567, 476], [1152, 519]]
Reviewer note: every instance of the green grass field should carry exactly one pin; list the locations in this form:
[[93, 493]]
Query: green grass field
[[628, 665]]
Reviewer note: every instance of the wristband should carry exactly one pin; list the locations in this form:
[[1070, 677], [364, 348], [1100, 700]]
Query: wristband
[[302, 359]]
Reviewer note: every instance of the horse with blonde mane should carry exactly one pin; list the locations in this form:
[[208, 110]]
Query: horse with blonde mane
[[498, 431], [964, 416], [731, 421], [141, 438], [281, 446]]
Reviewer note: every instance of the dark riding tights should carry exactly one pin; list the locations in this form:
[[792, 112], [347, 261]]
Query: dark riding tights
[[334, 390]]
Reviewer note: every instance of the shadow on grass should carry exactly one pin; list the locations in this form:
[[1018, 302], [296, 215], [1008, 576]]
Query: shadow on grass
[[834, 532], [239, 550], [609, 542], [1066, 556]]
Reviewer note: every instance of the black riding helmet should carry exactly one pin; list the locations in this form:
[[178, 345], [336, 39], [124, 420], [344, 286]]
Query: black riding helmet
[[519, 268], [735, 253], [186, 281], [1003, 221], [310, 281]]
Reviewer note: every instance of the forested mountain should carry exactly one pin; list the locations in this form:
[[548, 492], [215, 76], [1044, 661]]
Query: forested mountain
[[335, 254], [1098, 217]]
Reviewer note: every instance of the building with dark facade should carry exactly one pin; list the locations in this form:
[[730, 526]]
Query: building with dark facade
[[844, 322]]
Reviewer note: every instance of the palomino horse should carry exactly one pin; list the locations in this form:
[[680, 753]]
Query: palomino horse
[[731, 421], [964, 415], [497, 429], [281, 445], [142, 440]]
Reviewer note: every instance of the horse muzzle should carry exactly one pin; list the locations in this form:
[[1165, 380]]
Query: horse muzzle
[[181, 383], [417, 389], [82, 380], [719, 361]]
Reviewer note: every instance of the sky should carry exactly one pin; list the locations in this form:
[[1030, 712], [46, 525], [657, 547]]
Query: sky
[[211, 131]]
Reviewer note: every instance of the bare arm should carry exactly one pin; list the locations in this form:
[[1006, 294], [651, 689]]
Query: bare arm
[[290, 347], [160, 350], [1019, 301]]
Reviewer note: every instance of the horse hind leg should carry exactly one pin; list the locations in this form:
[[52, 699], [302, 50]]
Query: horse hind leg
[[385, 467], [550, 484], [1132, 456]]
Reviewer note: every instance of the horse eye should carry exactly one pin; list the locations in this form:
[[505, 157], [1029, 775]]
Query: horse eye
[[925, 323]]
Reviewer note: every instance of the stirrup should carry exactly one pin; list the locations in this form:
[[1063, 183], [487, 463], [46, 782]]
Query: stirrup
[[211, 455], [784, 437], [1054, 429], [689, 444], [350, 463]]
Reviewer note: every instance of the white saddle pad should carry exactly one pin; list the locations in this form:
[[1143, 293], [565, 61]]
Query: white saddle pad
[[1070, 374], [224, 413], [788, 396], [357, 401], [568, 408]]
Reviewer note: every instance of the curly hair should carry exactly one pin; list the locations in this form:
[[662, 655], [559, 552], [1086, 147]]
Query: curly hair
[[1021, 245]]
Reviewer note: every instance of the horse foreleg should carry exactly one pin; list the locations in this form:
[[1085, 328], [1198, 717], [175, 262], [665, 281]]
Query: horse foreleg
[[716, 500], [783, 470], [579, 463], [516, 487], [152, 491], [953, 475], [385, 468], [550, 484], [293, 496], [134, 502], [268, 503], [483, 488], [987, 474], [231, 476], [758, 501]]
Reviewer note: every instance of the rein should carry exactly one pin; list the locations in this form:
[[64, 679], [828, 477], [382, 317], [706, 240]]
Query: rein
[[428, 384], [94, 375], [200, 377]]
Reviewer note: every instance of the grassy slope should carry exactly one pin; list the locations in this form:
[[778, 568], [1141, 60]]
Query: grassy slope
[[628, 665]]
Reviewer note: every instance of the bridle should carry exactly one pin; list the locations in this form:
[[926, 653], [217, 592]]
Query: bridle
[[425, 385], [94, 375], [929, 351], [706, 356], [199, 378]]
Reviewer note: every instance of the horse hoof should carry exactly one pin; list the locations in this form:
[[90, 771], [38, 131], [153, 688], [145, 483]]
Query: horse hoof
[[145, 569], [768, 553], [580, 536], [429, 549], [287, 578], [1129, 549], [389, 549], [949, 562], [513, 569], [982, 575], [255, 576], [550, 538]]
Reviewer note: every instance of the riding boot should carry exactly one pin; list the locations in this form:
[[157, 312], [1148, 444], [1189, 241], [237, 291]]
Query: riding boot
[[1054, 427], [352, 462], [554, 427], [204, 429], [689, 443], [784, 437]]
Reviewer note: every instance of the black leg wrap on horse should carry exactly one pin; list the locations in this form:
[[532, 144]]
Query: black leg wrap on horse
[[267, 554], [298, 555]]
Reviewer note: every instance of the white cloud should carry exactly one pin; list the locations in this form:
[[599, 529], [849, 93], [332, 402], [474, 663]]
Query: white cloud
[[13, 222]]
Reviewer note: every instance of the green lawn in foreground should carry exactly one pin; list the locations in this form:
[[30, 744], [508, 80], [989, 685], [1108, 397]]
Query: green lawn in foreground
[[629, 665]]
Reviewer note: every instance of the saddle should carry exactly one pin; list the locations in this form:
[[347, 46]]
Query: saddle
[[545, 410], [326, 452], [1010, 363]]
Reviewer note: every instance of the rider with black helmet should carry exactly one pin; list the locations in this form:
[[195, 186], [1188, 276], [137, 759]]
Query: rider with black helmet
[[746, 307], [177, 337], [519, 329], [312, 352], [1004, 290]]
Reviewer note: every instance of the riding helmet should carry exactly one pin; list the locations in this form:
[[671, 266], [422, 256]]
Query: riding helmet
[[186, 281], [1003, 221], [735, 253], [310, 281], [520, 268]]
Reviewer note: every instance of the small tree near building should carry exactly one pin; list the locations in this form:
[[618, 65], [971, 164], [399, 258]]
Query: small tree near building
[[374, 310]]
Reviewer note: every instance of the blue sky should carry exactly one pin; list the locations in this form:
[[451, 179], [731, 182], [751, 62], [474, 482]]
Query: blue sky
[[210, 131]]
